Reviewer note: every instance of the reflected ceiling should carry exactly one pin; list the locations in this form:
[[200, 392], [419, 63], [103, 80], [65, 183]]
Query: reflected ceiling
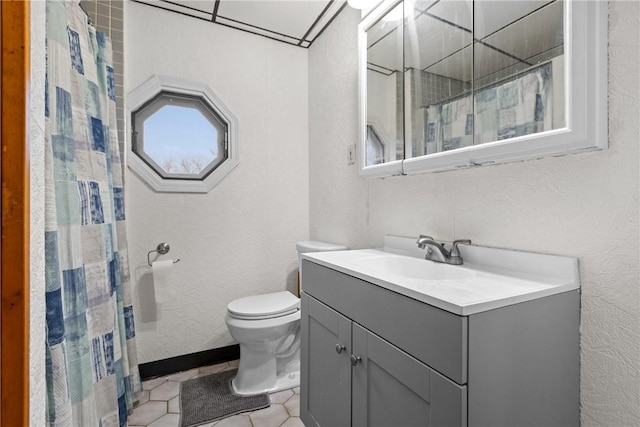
[[509, 36], [294, 22]]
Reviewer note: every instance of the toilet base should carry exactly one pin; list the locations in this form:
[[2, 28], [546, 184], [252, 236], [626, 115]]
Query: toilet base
[[270, 364], [283, 382]]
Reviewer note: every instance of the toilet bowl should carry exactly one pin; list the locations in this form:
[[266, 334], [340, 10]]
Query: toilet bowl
[[267, 327]]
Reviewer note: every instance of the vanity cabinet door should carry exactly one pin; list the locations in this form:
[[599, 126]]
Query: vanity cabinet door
[[325, 366], [392, 388]]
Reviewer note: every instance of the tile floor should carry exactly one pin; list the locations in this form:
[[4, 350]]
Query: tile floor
[[159, 404]]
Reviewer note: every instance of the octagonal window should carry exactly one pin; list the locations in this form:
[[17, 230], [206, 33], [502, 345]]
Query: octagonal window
[[183, 138], [179, 136]]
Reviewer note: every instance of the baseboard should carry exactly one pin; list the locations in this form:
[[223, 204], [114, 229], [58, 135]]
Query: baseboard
[[185, 362]]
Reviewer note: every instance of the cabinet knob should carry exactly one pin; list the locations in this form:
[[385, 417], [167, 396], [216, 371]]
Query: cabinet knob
[[355, 360], [340, 348]]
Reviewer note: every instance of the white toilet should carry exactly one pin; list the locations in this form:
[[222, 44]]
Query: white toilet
[[267, 327]]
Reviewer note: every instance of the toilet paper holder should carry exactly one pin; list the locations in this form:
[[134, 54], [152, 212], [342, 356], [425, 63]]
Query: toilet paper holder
[[162, 248]]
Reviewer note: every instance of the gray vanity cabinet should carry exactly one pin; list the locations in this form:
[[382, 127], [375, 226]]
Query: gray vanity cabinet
[[373, 357], [350, 376]]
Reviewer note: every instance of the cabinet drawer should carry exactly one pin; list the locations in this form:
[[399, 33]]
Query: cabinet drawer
[[433, 336]]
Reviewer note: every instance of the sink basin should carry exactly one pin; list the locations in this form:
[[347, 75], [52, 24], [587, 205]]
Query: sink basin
[[412, 268]]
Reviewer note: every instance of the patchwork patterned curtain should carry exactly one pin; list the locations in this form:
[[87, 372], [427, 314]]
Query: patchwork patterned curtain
[[519, 107], [91, 365]]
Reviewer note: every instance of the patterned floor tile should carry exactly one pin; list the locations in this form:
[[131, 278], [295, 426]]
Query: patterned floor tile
[[183, 376], [141, 397], [293, 405], [212, 369], [165, 391], [272, 416], [174, 405], [293, 422], [236, 421], [169, 420], [281, 396], [159, 403], [200, 375], [150, 384], [147, 413]]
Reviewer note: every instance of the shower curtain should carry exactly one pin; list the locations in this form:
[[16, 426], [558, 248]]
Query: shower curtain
[[91, 362]]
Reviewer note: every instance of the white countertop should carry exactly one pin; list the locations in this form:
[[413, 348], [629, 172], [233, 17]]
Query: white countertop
[[491, 278]]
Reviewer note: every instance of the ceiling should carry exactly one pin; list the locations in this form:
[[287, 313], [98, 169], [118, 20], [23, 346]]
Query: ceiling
[[509, 36], [296, 22]]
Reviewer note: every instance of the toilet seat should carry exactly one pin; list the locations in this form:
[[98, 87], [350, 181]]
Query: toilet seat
[[265, 306]]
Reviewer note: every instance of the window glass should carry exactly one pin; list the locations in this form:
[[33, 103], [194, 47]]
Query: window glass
[[179, 136]]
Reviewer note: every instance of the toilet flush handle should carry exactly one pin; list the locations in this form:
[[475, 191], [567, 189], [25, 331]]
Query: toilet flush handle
[[340, 348]]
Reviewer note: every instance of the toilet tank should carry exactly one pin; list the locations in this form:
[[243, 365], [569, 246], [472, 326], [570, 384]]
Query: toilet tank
[[314, 246]]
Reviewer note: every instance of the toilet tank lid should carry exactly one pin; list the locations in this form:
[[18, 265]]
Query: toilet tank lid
[[315, 246], [273, 304]]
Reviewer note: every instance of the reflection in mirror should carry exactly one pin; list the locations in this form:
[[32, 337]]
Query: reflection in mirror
[[438, 62], [518, 68], [385, 135], [482, 71], [375, 147]]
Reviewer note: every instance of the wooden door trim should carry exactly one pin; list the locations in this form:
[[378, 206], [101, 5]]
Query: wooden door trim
[[14, 249]]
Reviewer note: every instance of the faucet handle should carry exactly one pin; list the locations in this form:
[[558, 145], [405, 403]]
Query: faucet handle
[[424, 236], [455, 252], [455, 257]]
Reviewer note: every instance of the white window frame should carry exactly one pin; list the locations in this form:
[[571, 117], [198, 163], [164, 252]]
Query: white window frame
[[149, 90]]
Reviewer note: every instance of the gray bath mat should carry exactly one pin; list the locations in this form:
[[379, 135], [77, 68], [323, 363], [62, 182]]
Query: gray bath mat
[[210, 398]]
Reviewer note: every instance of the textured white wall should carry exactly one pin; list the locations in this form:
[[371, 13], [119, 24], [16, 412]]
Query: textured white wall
[[584, 205], [37, 336], [239, 239]]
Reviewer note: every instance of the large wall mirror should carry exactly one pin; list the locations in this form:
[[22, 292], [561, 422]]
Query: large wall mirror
[[458, 83]]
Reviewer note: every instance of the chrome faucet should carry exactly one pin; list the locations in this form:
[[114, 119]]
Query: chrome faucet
[[437, 252]]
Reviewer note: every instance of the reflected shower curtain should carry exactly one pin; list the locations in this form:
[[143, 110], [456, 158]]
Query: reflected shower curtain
[[91, 365]]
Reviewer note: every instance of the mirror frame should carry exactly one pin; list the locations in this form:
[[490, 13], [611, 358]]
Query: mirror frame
[[388, 168], [585, 62]]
